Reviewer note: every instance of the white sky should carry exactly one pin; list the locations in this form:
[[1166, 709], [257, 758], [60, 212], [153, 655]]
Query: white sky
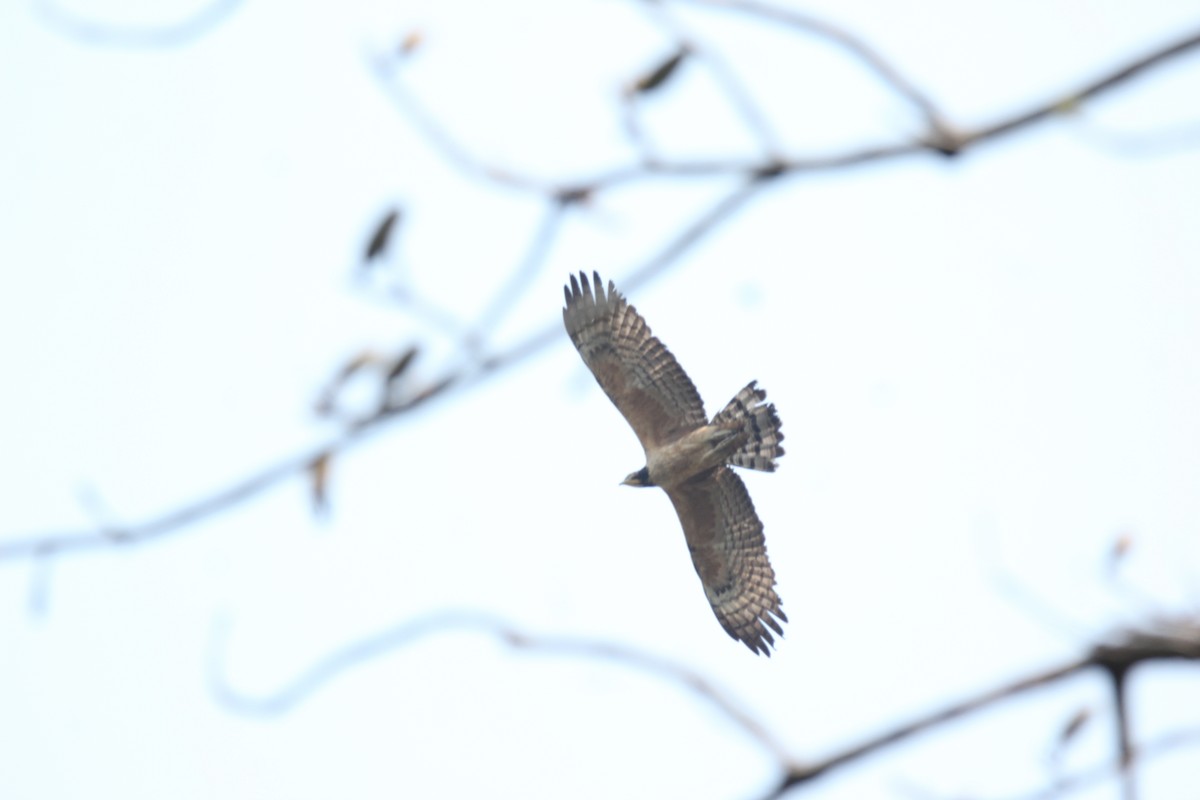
[[986, 369]]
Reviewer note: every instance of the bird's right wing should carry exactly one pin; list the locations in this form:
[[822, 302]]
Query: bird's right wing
[[634, 369]]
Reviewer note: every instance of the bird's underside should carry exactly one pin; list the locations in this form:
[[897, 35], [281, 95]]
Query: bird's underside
[[688, 456]]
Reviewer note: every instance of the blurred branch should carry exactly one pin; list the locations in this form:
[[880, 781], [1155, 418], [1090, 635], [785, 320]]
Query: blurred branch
[[401, 393], [521, 278], [900, 733], [386, 68], [40, 545], [751, 176], [112, 534], [1009, 584], [941, 137], [175, 34], [851, 44], [356, 654], [1159, 641], [1088, 778], [1070, 100]]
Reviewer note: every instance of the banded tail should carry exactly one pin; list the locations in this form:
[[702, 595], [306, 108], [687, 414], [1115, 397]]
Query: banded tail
[[748, 414]]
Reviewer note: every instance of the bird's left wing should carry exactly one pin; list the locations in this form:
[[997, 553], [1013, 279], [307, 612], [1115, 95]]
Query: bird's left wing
[[726, 541], [636, 371]]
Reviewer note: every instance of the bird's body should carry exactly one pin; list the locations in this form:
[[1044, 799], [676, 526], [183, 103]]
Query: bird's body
[[688, 456], [695, 452]]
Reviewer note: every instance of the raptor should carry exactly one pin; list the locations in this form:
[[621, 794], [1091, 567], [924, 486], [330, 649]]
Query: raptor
[[688, 456]]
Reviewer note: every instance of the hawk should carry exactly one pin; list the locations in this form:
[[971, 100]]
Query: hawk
[[687, 456]]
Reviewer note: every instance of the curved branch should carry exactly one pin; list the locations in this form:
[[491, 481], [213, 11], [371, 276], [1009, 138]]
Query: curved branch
[[1069, 100], [452, 151], [355, 654], [857, 48], [873, 744], [1164, 640], [1160, 640], [1088, 778], [943, 138], [173, 34], [544, 236]]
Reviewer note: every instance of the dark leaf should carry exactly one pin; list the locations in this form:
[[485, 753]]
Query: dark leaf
[[318, 474], [1070, 729], [1074, 725], [383, 234], [411, 41], [400, 365], [657, 77], [1119, 550]]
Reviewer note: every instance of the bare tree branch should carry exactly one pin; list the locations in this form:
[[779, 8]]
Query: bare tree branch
[[1067, 101], [1086, 779], [175, 34], [1163, 640], [355, 654], [858, 49], [942, 137], [386, 68], [927, 722], [752, 176], [522, 277], [40, 545], [743, 178]]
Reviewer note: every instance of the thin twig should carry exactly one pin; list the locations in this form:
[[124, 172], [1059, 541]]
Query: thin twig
[[386, 68], [869, 56], [1092, 776], [1067, 101], [522, 277]]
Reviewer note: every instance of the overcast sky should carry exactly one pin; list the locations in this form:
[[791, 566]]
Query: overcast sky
[[986, 367]]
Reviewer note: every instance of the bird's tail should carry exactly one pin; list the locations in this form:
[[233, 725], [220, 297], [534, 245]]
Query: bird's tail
[[759, 423]]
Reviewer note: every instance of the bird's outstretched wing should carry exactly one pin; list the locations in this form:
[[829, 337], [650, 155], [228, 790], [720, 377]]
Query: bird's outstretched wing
[[725, 538], [634, 369]]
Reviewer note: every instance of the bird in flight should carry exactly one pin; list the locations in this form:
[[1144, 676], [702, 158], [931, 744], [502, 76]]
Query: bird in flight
[[687, 456]]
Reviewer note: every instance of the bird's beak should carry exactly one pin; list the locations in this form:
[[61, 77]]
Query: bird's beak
[[635, 479]]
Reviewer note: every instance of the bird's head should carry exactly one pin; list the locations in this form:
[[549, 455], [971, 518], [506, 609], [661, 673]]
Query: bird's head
[[639, 478]]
